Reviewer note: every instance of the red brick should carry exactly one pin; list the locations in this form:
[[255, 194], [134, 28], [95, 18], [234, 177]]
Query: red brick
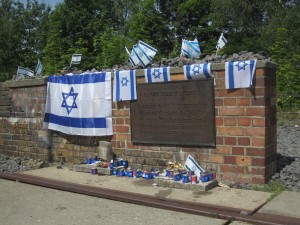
[[231, 111], [219, 140], [216, 158], [259, 142], [261, 101], [243, 161], [230, 102], [259, 122], [255, 111], [121, 129], [243, 102], [255, 131], [255, 152], [229, 121], [243, 141], [230, 131], [219, 121], [231, 169], [244, 121], [260, 81], [230, 140], [238, 151], [260, 72], [258, 162], [229, 160], [256, 170], [225, 150], [259, 180], [218, 102]]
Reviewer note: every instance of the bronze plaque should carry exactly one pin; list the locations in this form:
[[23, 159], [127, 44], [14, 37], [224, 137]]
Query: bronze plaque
[[177, 113]]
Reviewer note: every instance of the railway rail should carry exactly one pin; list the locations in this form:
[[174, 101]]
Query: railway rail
[[214, 211]]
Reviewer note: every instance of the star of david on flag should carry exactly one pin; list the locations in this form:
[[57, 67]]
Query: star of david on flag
[[124, 86], [239, 74], [192, 165], [79, 104], [197, 71], [190, 48], [157, 75]]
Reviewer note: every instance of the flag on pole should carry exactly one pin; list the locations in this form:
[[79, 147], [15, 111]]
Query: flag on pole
[[147, 49], [157, 74], [221, 42], [39, 68], [76, 59], [141, 55], [239, 74], [79, 104], [197, 71], [190, 48], [192, 165], [24, 72], [124, 86], [132, 57]]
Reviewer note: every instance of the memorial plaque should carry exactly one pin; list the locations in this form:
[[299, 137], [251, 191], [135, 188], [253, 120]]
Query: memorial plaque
[[177, 113]]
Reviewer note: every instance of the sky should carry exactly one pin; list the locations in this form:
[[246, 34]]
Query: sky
[[52, 3]]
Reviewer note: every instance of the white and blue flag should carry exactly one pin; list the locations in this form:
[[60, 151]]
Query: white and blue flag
[[221, 42], [161, 74], [24, 72], [192, 165], [147, 49], [133, 58], [124, 86], [197, 71], [239, 74], [190, 48], [79, 104], [76, 59], [39, 69], [143, 58]]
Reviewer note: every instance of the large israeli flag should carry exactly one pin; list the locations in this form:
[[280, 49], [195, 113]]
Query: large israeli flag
[[79, 104], [24, 72], [39, 68], [192, 165], [190, 48], [197, 71], [239, 74], [157, 74], [124, 85]]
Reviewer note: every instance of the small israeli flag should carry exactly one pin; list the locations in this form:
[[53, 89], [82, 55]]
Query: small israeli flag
[[192, 165], [132, 57], [39, 68], [157, 74], [190, 48], [141, 55], [76, 59], [197, 71], [24, 72], [221, 42], [239, 74], [124, 86], [147, 49]]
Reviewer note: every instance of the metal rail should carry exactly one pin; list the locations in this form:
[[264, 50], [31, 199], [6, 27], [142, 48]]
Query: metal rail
[[230, 214]]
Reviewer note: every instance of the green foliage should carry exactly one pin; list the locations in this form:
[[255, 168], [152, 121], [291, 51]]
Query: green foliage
[[273, 187]]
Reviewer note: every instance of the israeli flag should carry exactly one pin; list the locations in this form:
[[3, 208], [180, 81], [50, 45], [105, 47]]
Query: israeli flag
[[197, 71], [147, 49], [24, 72], [139, 53], [79, 104], [221, 42], [190, 48], [76, 59], [157, 74], [124, 86], [39, 69], [133, 58], [239, 74], [192, 165]]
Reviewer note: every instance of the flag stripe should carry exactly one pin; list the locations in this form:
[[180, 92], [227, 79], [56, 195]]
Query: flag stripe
[[132, 84], [224, 40], [75, 122], [148, 46], [165, 73], [231, 74], [138, 56], [117, 80], [149, 78], [145, 54], [78, 79], [196, 164], [205, 70], [188, 72]]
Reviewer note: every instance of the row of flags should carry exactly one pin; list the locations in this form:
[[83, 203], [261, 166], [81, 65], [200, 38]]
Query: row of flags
[[81, 104]]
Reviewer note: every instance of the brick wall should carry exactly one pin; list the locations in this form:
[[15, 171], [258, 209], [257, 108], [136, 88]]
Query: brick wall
[[245, 128]]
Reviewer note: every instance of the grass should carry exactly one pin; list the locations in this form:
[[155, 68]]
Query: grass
[[273, 187], [289, 116]]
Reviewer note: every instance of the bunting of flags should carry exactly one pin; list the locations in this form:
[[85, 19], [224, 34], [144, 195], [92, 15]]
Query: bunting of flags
[[239, 74], [153, 75], [124, 86], [190, 48], [197, 71]]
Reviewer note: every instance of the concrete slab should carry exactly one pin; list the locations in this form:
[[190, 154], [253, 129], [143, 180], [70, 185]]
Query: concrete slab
[[246, 200], [240, 223], [28, 204], [285, 204]]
